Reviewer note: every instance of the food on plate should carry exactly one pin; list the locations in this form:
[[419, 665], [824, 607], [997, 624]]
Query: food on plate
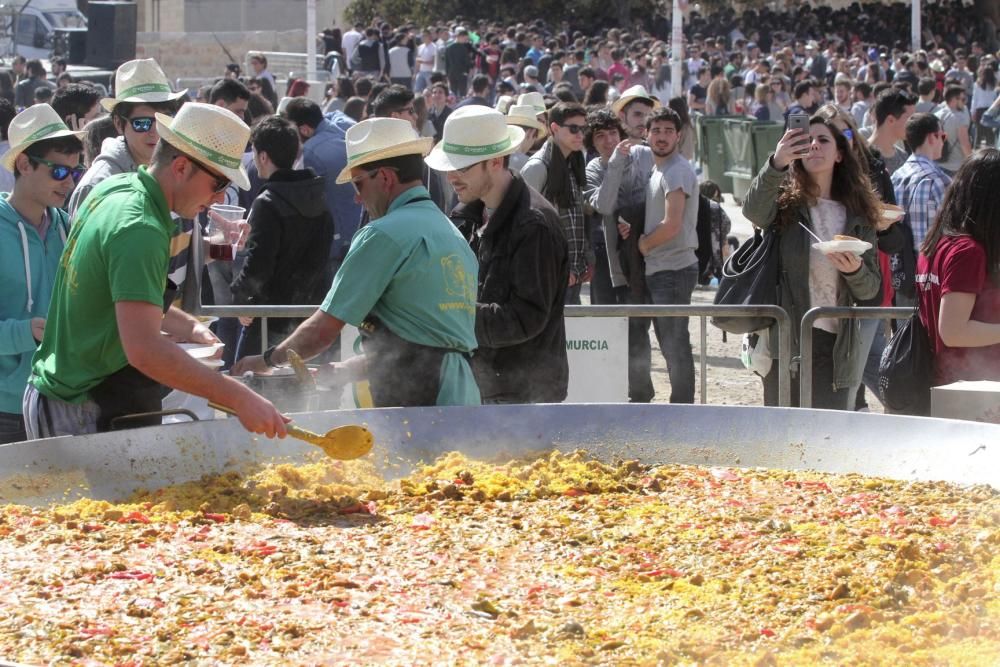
[[559, 559], [844, 237]]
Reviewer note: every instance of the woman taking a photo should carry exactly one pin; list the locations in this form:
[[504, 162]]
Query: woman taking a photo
[[958, 275], [815, 181]]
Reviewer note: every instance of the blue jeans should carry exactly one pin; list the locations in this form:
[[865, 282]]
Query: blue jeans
[[675, 288]]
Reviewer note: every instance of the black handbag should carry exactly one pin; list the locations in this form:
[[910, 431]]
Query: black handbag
[[750, 278], [904, 372]]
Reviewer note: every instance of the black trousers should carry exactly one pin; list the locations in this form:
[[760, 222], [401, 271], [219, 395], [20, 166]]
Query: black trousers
[[825, 397]]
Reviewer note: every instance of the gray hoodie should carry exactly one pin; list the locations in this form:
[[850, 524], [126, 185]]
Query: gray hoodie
[[114, 159]]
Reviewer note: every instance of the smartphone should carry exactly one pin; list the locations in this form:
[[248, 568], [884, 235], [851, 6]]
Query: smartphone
[[800, 121]]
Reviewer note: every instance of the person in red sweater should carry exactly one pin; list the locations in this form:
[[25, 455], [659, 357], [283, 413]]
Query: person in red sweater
[[958, 275]]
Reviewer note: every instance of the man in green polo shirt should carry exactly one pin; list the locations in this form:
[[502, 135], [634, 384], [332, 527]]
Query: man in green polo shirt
[[408, 283], [103, 355]]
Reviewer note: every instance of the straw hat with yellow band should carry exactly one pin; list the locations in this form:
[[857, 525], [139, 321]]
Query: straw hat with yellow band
[[34, 124], [378, 139], [210, 135], [139, 82], [474, 134], [524, 115]]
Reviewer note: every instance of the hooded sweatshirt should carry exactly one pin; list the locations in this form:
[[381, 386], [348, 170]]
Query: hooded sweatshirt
[[27, 273], [288, 250], [114, 159]]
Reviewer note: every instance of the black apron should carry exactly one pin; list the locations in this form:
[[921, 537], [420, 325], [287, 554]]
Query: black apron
[[129, 392], [401, 374]]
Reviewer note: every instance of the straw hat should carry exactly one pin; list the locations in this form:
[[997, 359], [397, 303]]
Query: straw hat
[[140, 81], [525, 116], [636, 92], [536, 100], [213, 136], [473, 134], [377, 139], [34, 124]]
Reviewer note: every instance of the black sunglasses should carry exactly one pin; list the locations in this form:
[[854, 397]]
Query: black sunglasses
[[221, 182], [574, 129], [60, 171], [142, 124]]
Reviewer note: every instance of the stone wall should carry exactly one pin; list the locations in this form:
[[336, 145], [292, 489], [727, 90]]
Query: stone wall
[[198, 54]]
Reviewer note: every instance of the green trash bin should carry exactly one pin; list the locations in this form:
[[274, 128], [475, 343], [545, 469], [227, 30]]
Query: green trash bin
[[739, 154], [765, 138], [712, 154]]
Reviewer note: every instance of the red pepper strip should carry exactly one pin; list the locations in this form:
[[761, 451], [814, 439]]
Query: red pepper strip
[[259, 549], [134, 517], [574, 492], [943, 546], [132, 575], [217, 518], [358, 508], [938, 521], [100, 630], [91, 527], [767, 632]]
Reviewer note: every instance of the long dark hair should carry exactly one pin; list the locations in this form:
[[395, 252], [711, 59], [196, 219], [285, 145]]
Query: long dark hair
[[850, 187], [680, 105], [971, 207]]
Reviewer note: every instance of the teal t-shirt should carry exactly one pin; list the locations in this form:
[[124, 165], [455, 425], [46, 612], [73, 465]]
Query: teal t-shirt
[[413, 270], [118, 250]]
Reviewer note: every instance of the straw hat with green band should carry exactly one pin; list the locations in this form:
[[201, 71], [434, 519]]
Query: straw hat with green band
[[211, 135], [473, 134], [378, 139], [34, 124], [141, 81]]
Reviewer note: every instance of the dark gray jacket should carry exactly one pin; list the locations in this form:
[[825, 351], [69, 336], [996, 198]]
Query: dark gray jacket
[[861, 288]]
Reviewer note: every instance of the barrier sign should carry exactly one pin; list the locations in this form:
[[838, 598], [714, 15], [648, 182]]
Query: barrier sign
[[596, 348]]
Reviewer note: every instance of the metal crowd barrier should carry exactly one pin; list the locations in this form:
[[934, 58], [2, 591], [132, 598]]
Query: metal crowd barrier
[[702, 312], [806, 337]]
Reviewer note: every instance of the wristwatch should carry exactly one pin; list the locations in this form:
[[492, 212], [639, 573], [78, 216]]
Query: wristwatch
[[267, 357]]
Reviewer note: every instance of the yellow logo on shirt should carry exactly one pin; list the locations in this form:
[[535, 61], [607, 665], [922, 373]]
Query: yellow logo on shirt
[[458, 283]]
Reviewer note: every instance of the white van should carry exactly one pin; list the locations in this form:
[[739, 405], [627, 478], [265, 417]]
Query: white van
[[35, 28]]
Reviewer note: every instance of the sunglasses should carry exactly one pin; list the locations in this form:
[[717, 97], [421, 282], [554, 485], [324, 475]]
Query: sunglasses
[[61, 171], [574, 129], [142, 124], [221, 182]]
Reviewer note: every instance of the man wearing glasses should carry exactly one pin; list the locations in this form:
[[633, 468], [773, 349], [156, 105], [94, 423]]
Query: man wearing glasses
[[524, 266], [408, 283], [141, 91], [557, 171], [45, 160], [103, 356]]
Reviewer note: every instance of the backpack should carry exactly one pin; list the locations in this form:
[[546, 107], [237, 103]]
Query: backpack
[[905, 370], [705, 251]]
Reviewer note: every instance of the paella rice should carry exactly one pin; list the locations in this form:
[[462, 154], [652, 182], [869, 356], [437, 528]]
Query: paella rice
[[558, 560]]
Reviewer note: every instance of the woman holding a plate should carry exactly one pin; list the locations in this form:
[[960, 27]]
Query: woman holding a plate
[[815, 189]]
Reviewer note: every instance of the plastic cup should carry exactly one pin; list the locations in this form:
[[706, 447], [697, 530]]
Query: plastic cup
[[224, 239]]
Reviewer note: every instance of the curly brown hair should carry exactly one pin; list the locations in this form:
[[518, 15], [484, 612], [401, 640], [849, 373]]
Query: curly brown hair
[[851, 185]]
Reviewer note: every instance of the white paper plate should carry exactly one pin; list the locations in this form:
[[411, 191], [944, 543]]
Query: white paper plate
[[893, 214], [856, 246], [212, 363], [200, 350]]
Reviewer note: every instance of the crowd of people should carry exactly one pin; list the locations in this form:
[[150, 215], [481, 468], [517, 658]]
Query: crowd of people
[[460, 184]]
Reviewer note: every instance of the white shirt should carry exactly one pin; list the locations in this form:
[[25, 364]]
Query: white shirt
[[426, 53], [349, 42], [828, 219]]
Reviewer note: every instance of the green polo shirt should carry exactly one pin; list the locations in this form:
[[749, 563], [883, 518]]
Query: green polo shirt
[[118, 250], [413, 270]]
